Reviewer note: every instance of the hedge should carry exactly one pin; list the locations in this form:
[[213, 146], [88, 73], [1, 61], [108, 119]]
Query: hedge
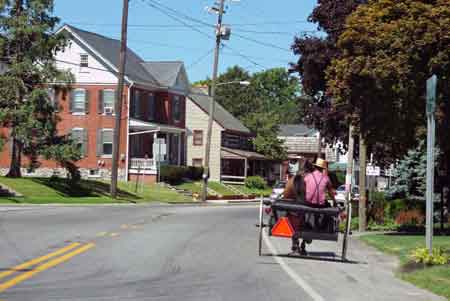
[[175, 174]]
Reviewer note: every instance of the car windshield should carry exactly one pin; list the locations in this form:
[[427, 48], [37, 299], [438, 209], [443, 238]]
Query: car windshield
[[280, 185]]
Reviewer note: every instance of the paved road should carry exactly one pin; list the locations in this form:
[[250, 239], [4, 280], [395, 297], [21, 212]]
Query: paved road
[[174, 253]]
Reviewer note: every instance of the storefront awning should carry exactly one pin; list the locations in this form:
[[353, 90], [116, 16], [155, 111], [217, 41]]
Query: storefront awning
[[231, 153], [140, 126]]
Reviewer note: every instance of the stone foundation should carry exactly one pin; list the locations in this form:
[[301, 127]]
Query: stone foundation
[[100, 174]]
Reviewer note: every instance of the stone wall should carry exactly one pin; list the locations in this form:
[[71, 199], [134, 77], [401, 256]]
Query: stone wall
[[103, 174]]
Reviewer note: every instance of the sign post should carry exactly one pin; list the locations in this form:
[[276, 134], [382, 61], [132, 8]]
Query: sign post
[[431, 107]]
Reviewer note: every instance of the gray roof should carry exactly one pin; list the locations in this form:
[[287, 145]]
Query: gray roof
[[165, 72], [221, 116], [109, 49], [296, 130]]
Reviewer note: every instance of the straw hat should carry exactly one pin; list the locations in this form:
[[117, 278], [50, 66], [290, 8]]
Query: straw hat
[[321, 163]]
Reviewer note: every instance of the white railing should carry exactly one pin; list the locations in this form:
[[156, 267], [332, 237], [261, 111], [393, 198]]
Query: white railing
[[142, 164]]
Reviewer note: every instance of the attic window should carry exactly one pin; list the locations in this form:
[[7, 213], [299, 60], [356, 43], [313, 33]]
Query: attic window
[[84, 60]]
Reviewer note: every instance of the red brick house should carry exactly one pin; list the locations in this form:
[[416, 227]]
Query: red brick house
[[154, 107]]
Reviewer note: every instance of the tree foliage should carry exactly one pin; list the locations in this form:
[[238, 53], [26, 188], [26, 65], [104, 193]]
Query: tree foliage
[[387, 52], [27, 48], [271, 99], [315, 56]]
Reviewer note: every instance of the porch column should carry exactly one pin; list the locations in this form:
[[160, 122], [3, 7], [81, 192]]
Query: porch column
[[245, 168], [168, 148], [179, 149]]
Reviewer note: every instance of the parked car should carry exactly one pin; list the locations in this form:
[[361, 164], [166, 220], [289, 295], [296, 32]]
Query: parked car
[[277, 190], [340, 194]]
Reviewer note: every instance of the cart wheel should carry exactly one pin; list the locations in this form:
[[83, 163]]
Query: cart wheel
[[261, 226]]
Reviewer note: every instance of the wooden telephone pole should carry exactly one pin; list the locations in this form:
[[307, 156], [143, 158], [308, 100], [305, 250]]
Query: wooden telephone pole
[[119, 99]]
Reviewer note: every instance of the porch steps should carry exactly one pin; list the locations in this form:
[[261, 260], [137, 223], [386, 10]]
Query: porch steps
[[178, 190]]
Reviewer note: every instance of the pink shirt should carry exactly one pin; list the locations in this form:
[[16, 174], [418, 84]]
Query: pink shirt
[[316, 185]]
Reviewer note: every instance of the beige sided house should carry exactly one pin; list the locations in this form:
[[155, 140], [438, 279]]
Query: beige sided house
[[232, 157]]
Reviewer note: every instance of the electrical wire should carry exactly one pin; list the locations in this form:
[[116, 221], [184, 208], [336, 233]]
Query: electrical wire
[[261, 43]]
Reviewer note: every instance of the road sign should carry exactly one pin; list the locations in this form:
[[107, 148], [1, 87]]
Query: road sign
[[431, 94], [372, 170]]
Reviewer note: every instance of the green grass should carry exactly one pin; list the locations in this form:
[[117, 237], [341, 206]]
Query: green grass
[[435, 279], [196, 187], [265, 192], [56, 190]]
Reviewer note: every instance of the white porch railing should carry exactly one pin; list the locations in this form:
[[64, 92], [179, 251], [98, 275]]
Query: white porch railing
[[142, 164]]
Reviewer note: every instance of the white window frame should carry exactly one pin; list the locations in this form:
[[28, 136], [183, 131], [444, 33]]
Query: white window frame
[[84, 102], [113, 103], [82, 141], [103, 143]]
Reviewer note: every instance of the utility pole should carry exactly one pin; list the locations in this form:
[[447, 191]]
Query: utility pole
[[119, 99], [362, 184], [219, 34], [349, 185]]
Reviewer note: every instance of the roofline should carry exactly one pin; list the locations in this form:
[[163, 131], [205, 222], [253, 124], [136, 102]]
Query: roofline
[[105, 61], [225, 128]]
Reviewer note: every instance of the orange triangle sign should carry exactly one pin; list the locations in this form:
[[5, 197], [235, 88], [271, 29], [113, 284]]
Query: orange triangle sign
[[283, 228]]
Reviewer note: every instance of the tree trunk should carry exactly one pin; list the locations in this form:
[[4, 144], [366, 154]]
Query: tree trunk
[[14, 168], [362, 184]]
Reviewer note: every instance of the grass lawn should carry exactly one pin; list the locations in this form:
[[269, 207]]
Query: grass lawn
[[435, 279], [196, 187], [55, 190], [265, 192]]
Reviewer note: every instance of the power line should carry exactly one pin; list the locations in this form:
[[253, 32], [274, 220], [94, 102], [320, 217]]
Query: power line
[[201, 58], [247, 58], [176, 18], [261, 43]]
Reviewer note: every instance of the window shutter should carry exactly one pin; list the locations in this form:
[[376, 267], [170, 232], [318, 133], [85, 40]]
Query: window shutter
[[85, 142], [100, 102], [99, 143], [86, 101], [71, 100]]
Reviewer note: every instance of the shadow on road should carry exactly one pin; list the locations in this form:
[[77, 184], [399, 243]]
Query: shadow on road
[[318, 256]]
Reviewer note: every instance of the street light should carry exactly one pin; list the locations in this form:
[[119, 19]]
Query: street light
[[208, 137]]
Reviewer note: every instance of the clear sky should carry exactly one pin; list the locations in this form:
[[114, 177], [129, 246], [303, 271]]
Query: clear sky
[[156, 36]]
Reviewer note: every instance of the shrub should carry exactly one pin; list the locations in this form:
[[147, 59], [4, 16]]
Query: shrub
[[194, 173], [255, 182], [437, 257], [172, 174]]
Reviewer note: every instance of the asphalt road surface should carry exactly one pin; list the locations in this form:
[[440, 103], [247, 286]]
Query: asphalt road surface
[[176, 253]]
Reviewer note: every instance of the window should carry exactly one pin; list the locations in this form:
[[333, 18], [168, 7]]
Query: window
[[176, 109], [53, 98], [104, 142], [136, 104], [84, 60], [108, 101], [94, 173], [79, 136], [198, 137], [197, 162], [79, 101], [151, 107]]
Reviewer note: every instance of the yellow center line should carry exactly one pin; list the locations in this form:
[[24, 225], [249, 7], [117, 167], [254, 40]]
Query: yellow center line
[[45, 266], [35, 261]]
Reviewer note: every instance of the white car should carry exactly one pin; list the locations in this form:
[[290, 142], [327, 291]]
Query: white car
[[340, 194], [277, 190]]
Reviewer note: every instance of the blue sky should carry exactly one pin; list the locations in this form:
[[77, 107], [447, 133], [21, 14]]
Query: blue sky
[[155, 36]]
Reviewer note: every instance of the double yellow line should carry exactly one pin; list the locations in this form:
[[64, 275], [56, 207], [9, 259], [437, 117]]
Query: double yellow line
[[29, 272]]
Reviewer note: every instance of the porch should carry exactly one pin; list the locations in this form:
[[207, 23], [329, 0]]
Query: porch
[[151, 144], [237, 165]]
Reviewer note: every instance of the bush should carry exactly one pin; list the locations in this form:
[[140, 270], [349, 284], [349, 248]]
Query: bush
[[410, 217], [438, 256], [194, 173], [255, 182], [174, 174]]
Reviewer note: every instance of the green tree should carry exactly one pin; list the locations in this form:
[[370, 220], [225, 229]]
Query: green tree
[[27, 47], [387, 51]]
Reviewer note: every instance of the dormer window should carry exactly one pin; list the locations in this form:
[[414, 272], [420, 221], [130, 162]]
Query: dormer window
[[84, 60]]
